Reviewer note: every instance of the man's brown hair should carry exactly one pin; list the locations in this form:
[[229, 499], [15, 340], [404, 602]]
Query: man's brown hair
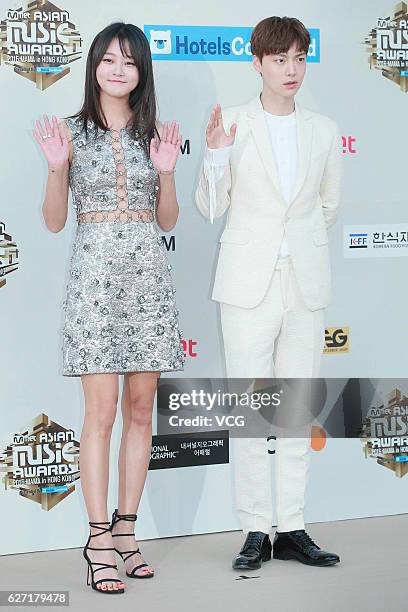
[[275, 35]]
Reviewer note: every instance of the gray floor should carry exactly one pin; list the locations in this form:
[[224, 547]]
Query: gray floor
[[193, 573]]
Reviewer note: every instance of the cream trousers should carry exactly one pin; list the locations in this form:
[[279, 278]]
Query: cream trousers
[[278, 338]]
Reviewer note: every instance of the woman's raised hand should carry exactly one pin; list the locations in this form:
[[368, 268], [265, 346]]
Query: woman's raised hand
[[53, 142], [215, 133], [164, 151]]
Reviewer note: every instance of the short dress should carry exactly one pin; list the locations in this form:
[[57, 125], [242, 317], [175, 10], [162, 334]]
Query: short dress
[[120, 312]]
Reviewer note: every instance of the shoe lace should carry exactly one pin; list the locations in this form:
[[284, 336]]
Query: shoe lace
[[126, 554], [116, 518], [253, 542], [305, 540]]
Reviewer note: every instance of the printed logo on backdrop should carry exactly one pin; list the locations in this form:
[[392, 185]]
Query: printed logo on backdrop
[[337, 340], [385, 433], [41, 462], [184, 450], [8, 254], [39, 42], [389, 240], [169, 242], [387, 45], [189, 348], [210, 43], [185, 148], [349, 145], [318, 438]]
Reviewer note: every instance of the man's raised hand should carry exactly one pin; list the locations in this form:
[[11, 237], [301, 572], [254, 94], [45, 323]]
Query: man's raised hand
[[215, 132]]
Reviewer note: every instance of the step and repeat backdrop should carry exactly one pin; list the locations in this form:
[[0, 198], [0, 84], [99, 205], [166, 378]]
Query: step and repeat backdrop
[[358, 75]]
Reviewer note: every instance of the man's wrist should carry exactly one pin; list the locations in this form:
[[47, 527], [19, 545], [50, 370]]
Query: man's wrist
[[218, 157]]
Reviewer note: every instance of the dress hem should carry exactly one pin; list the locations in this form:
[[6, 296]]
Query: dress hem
[[76, 374]]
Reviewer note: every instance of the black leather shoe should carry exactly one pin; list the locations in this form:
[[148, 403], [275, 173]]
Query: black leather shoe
[[257, 548], [300, 546]]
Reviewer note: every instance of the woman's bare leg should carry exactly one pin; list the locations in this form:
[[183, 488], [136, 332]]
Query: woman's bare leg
[[101, 398], [139, 389]]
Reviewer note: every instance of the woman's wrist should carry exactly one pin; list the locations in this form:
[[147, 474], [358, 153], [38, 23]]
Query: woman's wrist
[[167, 179], [57, 168], [165, 172]]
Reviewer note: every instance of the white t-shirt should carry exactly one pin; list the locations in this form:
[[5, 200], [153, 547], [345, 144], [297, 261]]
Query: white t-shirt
[[282, 132], [283, 135]]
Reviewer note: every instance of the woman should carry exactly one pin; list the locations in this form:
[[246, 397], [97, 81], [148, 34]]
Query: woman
[[120, 312]]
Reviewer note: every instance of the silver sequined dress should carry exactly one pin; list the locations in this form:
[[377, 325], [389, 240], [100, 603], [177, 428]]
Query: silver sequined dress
[[120, 310]]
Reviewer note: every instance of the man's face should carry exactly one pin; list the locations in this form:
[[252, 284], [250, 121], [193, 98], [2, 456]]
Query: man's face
[[283, 73]]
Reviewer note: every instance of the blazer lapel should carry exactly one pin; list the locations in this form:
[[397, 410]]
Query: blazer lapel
[[304, 128], [259, 130]]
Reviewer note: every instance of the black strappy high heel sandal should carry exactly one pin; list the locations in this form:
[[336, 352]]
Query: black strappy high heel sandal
[[102, 565], [129, 553]]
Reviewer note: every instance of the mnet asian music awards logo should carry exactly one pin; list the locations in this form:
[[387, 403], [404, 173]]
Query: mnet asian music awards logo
[[8, 254], [387, 45], [41, 462], [337, 340], [385, 433], [210, 43], [39, 42]]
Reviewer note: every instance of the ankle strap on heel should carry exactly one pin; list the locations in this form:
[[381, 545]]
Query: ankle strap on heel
[[116, 517], [127, 554], [96, 525]]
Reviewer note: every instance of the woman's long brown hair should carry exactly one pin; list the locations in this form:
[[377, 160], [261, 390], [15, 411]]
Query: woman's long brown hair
[[142, 100]]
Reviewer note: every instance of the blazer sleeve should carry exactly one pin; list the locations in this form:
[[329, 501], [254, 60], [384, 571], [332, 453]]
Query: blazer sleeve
[[212, 195], [330, 186]]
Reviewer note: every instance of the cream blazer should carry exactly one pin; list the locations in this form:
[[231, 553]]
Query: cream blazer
[[258, 216]]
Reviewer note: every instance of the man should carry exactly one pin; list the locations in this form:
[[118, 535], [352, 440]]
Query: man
[[275, 169]]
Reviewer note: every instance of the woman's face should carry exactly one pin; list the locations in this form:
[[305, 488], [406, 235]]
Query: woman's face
[[117, 74]]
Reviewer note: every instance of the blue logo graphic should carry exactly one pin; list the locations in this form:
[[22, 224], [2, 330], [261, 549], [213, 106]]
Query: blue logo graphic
[[210, 43], [59, 489], [358, 241], [48, 69], [404, 73], [401, 459]]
